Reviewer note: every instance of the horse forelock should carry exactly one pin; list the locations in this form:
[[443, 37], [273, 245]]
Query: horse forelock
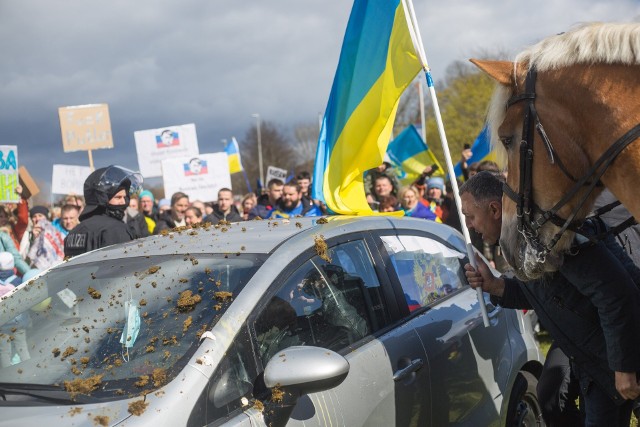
[[495, 116], [589, 43]]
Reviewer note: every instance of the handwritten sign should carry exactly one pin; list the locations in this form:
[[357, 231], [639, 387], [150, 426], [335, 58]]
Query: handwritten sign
[[156, 145], [85, 127], [68, 179], [274, 172], [9, 179]]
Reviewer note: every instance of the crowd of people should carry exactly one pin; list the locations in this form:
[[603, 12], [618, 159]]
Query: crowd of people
[[114, 208]]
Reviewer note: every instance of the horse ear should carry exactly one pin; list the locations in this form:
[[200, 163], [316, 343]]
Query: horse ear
[[500, 71]]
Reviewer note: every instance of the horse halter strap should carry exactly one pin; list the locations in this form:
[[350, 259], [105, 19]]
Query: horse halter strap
[[526, 208], [524, 198]]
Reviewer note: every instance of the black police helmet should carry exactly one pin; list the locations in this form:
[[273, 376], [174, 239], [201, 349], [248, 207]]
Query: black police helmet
[[104, 183]]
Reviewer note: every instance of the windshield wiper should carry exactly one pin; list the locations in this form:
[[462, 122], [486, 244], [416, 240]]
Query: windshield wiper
[[45, 392]]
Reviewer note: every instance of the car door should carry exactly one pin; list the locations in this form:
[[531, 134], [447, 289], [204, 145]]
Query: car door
[[342, 301], [468, 364]]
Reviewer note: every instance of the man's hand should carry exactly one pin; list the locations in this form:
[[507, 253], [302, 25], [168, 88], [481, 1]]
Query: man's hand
[[36, 230], [483, 278], [627, 385], [465, 156]]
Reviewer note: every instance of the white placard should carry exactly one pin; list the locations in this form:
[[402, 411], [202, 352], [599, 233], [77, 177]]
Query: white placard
[[274, 172], [8, 173], [200, 177], [68, 179], [155, 145]]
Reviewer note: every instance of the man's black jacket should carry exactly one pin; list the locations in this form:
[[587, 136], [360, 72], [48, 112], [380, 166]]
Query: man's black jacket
[[591, 307], [216, 216], [96, 231]]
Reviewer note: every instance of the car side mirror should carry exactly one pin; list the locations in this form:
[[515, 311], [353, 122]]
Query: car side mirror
[[296, 371]]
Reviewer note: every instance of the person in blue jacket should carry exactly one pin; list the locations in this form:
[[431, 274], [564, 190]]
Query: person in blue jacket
[[291, 203]]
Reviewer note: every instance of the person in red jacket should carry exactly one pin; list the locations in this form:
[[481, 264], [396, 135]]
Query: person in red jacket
[[15, 225]]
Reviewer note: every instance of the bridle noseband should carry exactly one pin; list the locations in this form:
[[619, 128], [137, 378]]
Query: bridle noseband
[[530, 216]]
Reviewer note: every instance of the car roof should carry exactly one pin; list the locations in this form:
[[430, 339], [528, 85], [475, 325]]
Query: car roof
[[257, 236]]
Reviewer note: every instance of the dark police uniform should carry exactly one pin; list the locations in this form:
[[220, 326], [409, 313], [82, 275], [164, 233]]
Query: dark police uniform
[[96, 232], [101, 223]]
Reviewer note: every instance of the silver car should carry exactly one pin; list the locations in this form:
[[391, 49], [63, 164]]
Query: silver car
[[318, 322]]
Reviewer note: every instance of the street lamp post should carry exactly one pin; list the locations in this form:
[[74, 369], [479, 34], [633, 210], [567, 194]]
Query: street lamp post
[[258, 131]]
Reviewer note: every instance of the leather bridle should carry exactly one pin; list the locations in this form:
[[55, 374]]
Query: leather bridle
[[530, 216]]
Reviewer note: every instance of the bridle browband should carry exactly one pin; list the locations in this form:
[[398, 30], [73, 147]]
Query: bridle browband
[[530, 216]]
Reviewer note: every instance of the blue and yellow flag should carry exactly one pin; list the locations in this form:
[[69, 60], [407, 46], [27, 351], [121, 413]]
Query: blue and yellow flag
[[377, 62], [233, 156], [481, 150], [411, 155]]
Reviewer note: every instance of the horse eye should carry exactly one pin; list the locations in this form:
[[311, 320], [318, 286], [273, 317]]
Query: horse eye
[[506, 141]]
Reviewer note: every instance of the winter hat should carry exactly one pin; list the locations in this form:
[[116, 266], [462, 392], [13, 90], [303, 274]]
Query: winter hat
[[6, 261], [164, 203], [147, 193], [39, 209], [436, 182]]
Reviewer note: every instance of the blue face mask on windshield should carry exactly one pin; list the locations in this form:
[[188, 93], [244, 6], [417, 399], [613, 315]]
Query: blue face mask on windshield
[[132, 324]]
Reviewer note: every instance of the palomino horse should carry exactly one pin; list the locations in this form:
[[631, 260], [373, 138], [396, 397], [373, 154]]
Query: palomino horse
[[564, 111]]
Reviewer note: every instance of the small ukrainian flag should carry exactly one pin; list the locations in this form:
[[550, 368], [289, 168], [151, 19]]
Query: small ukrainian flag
[[233, 155]]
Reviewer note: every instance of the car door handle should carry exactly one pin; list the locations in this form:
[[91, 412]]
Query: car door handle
[[402, 374], [493, 310]]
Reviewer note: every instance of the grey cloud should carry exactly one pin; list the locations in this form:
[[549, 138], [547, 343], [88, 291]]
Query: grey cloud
[[213, 63]]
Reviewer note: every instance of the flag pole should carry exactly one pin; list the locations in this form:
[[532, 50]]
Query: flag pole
[[423, 117], [417, 43]]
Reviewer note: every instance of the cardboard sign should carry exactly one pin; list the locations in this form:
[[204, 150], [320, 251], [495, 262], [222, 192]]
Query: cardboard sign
[[156, 145], [274, 172], [85, 127], [69, 179], [9, 174], [29, 186], [200, 177]]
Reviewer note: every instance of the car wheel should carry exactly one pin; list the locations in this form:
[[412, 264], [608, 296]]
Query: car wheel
[[524, 409]]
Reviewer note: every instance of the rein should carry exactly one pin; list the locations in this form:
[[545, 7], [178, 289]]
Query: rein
[[530, 216]]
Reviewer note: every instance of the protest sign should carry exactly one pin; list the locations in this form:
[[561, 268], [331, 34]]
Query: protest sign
[[85, 127], [274, 172], [68, 179], [29, 186], [200, 177], [8, 174], [156, 145]]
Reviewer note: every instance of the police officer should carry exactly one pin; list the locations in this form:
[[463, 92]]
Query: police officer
[[106, 192]]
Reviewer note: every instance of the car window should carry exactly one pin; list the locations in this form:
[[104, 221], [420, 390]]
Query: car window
[[427, 269], [328, 302]]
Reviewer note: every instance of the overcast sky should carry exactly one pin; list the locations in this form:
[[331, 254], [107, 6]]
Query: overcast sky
[[214, 63]]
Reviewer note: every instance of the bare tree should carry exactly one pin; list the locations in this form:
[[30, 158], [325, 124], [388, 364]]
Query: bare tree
[[304, 146], [276, 151]]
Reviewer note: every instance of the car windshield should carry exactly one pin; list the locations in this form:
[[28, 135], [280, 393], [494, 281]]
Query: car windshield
[[109, 326]]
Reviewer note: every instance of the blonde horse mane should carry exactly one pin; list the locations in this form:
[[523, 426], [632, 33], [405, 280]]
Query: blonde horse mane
[[589, 43], [609, 43]]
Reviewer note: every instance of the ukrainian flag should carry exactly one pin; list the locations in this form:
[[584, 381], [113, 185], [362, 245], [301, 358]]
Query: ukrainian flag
[[233, 156], [411, 155], [481, 150], [377, 62]]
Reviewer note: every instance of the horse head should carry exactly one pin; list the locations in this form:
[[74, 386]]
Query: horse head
[[536, 140], [563, 111]]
